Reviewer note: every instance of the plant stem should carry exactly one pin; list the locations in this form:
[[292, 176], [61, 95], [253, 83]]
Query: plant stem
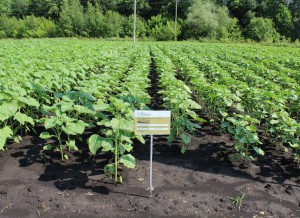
[[58, 134]]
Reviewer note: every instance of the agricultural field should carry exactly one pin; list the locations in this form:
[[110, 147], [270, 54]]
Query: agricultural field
[[67, 142]]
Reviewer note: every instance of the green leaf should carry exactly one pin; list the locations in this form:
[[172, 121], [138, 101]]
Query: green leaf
[[5, 133], [66, 157], [128, 160], [90, 125], [29, 101], [50, 122], [101, 106], [109, 169], [71, 144], [125, 147], [187, 89], [252, 128], [47, 147], [239, 107], [295, 145], [121, 124], [3, 117], [66, 107], [9, 109], [119, 104], [140, 138], [17, 139], [259, 151], [243, 140], [95, 142], [196, 126], [195, 105], [186, 138], [172, 136], [223, 113], [74, 128], [83, 110], [22, 118], [45, 135], [274, 121], [183, 149]]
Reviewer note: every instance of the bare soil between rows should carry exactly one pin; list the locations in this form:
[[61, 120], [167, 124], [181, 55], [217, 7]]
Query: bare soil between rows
[[34, 183]]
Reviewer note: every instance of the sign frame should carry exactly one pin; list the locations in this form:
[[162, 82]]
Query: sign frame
[[150, 122]]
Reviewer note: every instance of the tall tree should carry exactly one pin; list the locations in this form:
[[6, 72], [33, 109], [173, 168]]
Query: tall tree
[[5, 6], [206, 19], [71, 19], [45, 8], [19, 8], [93, 21]]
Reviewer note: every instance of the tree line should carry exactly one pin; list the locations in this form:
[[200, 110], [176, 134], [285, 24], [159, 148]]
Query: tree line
[[228, 20]]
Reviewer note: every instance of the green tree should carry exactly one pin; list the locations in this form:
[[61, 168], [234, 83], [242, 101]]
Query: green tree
[[261, 30], [45, 8], [38, 27], [71, 21], [127, 29], [19, 8], [162, 29], [208, 20], [112, 24], [202, 21], [93, 21], [5, 6], [283, 21], [11, 27], [240, 8]]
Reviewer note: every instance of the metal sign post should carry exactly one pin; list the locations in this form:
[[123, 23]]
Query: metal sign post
[[176, 20], [151, 155], [152, 123], [134, 22]]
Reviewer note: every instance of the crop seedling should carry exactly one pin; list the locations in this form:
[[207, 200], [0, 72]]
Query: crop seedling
[[61, 124], [14, 117], [238, 200], [244, 134], [119, 133], [8, 207], [177, 98]]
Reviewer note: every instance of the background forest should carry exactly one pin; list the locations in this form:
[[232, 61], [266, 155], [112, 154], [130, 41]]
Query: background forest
[[226, 20]]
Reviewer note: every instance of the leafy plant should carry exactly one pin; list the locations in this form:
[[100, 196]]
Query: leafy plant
[[119, 133], [238, 200], [59, 123], [244, 134], [177, 97]]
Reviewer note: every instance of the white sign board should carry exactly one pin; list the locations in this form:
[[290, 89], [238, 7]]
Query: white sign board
[[152, 122]]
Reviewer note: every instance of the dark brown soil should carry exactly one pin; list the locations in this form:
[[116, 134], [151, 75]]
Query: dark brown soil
[[198, 183]]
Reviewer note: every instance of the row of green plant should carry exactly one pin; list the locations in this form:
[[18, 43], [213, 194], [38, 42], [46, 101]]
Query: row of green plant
[[177, 97], [221, 105], [256, 75], [68, 97], [117, 128], [267, 106]]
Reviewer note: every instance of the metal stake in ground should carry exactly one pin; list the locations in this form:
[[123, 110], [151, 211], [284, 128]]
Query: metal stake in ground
[[151, 155]]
